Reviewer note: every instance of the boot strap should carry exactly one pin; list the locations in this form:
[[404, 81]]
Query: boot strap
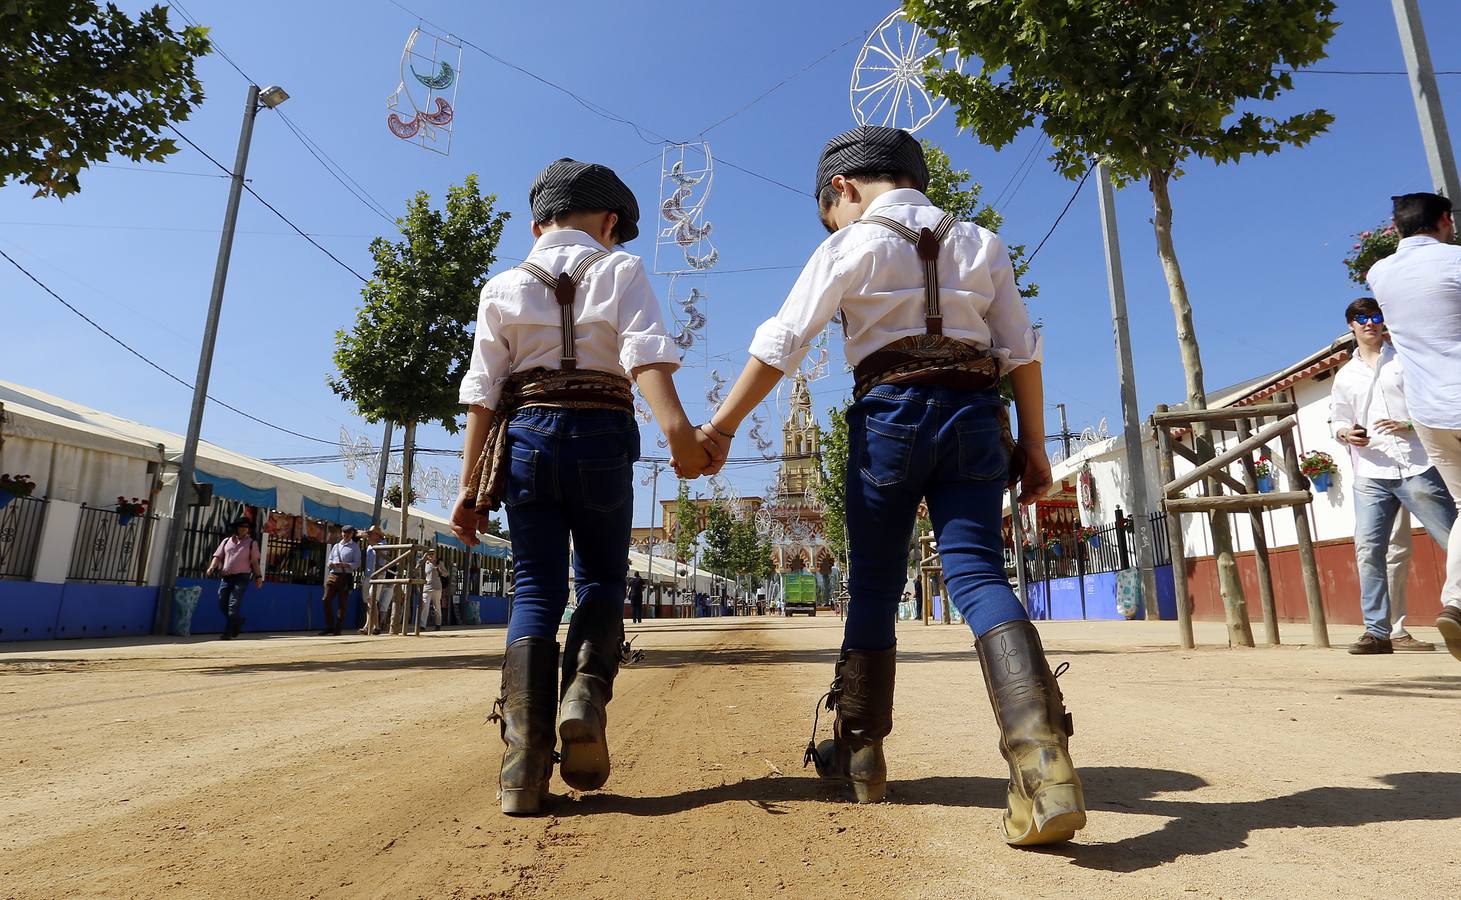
[[811, 751]]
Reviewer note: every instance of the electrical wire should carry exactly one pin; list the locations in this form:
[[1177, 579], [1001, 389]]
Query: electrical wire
[[357, 191], [125, 346], [1074, 194], [782, 83]]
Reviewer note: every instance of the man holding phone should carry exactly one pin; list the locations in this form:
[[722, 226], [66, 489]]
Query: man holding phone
[[1391, 473]]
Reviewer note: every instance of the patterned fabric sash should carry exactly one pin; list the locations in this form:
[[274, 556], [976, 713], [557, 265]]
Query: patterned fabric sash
[[926, 359], [552, 388]]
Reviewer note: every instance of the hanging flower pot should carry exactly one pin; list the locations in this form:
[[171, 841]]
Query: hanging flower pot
[[1265, 484], [12, 486], [1321, 482], [129, 510], [1057, 550], [1094, 540]]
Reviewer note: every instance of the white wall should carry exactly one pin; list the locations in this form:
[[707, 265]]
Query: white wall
[[58, 537]]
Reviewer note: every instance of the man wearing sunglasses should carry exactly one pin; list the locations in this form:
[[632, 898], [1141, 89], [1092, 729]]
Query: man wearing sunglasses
[[1419, 289], [1393, 479]]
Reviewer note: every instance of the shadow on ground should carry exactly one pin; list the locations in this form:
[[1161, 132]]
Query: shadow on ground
[[1195, 828]]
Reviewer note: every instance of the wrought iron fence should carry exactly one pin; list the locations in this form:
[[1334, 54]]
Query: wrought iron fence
[[206, 529], [1109, 548], [1161, 544], [296, 562], [20, 536], [110, 547]]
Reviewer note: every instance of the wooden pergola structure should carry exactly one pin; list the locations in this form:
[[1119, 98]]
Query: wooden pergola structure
[[1254, 431]]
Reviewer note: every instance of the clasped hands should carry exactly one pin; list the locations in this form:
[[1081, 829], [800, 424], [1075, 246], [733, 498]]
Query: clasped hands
[[702, 451]]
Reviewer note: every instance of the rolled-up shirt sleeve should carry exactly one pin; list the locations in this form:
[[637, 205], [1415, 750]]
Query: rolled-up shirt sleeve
[[491, 359], [782, 341], [1342, 404], [1013, 340], [643, 340]]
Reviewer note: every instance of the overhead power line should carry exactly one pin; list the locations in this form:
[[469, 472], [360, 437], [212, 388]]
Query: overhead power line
[[1074, 194], [125, 346]]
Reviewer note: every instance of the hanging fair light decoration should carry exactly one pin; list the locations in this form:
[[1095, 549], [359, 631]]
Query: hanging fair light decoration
[[422, 109], [887, 78]]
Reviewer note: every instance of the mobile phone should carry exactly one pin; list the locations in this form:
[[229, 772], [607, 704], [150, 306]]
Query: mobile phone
[[1361, 431]]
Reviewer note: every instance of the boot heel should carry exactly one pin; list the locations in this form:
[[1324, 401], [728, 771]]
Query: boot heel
[[1059, 812], [584, 749], [869, 791], [522, 802]]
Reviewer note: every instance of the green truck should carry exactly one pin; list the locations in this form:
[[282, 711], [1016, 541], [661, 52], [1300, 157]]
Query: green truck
[[799, 593]]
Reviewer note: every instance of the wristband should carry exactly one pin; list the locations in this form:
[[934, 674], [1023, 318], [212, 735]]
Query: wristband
[[719, 432]]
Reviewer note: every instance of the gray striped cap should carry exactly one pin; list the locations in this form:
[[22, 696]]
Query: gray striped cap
[[869, 150], [569, 186]]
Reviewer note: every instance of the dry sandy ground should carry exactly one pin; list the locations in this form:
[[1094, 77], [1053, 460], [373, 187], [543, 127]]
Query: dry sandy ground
[[314, 767]]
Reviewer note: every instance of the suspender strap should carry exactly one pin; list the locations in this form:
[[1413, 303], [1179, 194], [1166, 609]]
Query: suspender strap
[[928, 242], [564, 288]]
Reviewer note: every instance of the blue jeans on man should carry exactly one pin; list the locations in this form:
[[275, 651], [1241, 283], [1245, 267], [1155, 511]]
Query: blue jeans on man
[[230, 602], [907, 443], [570, 474], [1377, 501]]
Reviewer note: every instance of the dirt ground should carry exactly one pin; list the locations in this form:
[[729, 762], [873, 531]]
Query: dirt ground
[[292, 766]]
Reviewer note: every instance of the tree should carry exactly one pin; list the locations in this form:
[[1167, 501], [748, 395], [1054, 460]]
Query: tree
[[832, 487], [393, 495], [83, 82], [410, 347], [720, 540], [494, 527], [946, 189], [687, 523], [1142, 87]]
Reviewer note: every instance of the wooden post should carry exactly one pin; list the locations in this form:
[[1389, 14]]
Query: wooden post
[[1174, 538], [1312, 592], [1260, 543]]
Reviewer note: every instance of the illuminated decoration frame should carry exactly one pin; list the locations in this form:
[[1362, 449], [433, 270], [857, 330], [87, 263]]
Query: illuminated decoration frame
[[887, 78], [682, 244], [433, 77]]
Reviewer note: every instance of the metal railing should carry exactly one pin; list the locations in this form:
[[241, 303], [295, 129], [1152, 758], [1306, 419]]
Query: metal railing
[[20, 536], [207, 527], [295, 562], [110, 547], [1110, 548]]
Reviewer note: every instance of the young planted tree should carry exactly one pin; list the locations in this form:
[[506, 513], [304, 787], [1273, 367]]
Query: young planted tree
[[946, 188], [411, 344], [1142, 87], [720, 540], [832, 487], [687, 523], [82, 82]]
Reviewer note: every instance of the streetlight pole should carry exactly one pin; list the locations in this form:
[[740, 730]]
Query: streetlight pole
[[187, 466], [1433, 133], [1136, 496]]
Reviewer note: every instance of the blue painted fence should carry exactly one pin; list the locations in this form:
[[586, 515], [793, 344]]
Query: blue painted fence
[[32, 611], [1061, 598]]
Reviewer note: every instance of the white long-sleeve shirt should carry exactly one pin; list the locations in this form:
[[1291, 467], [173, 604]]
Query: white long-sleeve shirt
[[618, 325], [1419, 289], [1362, 395], [876, 278]]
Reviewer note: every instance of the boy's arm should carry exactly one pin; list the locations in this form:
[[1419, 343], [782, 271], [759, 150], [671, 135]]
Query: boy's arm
[[658, 389], [466, 521], [756, 381], [1029, 390]]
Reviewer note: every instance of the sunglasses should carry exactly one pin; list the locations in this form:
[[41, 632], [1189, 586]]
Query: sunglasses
[[1377, 319]]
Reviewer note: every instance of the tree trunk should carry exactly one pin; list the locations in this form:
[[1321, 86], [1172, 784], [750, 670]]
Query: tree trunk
[[1240, 632], [408, 448]]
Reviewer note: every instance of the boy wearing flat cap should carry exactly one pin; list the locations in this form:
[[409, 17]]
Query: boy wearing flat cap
[[932, 320], [551, 435]]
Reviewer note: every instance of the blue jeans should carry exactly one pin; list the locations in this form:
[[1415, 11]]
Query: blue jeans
[[570, 475], [230, 600], [1377, 501], [910, 442]]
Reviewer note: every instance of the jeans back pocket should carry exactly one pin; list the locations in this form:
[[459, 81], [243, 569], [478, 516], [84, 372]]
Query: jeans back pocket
[[886, 450], [984, 451], [522, 476], [607, 484]]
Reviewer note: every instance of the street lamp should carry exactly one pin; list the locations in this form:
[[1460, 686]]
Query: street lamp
[[270, 98]]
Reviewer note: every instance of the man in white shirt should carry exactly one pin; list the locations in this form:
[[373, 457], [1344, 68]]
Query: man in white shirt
[[1419, 289], [1391, 473], [343, 563]]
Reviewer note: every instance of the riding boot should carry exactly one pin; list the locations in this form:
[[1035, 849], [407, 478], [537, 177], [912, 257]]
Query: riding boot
[[525, 712], [862, 695], [591, 659], [1045, 802]]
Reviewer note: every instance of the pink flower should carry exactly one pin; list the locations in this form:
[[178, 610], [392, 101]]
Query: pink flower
[[1364, 234], [1355, 247]]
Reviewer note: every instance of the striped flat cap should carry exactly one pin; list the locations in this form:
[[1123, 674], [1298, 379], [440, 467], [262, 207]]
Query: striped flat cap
[[569, 186], [869, 150]]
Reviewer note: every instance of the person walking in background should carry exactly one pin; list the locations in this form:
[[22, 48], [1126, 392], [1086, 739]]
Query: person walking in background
[[636, 598], [343, 563], [1419, 291], [237, 560], [1391, 474], [370, 537], [431, 572]]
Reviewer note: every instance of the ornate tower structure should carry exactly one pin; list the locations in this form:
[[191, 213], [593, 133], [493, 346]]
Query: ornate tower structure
[[801, 436], [794, 512]]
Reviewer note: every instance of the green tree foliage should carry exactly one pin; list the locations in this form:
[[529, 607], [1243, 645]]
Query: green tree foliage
[[946, 188], [687, 523], [1143, 87], [720, 540], [752, 553], [410, 347], [393, 495], [832, 487], [81, 82]]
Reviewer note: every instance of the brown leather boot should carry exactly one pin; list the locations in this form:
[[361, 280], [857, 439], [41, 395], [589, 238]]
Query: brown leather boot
[[591, 659], [525, 710], [1045, 803], [862, 695]]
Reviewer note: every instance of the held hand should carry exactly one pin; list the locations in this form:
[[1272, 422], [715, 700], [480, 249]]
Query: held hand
[[716, 446], [1035, 480], [1391, 426], [465, 522], [688, 456], [1353, 437]]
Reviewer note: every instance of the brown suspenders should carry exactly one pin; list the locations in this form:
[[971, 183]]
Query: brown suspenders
[[928, 241], [564, 288]]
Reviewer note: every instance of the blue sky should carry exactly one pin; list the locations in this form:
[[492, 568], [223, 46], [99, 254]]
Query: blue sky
[[1261, 241]]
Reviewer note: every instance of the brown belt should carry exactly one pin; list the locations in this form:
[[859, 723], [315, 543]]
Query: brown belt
[[926, 359], [551, 388]]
